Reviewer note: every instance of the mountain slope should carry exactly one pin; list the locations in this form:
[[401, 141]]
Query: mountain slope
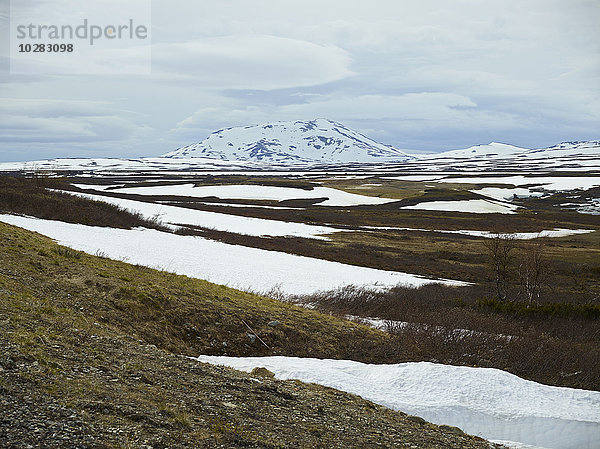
[[216, 153], [575, 145], [318, 140]]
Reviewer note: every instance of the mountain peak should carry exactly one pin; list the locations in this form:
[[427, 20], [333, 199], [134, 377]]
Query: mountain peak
[[317, 140]]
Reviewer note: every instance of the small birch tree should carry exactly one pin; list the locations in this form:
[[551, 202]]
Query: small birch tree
[[533, 269]]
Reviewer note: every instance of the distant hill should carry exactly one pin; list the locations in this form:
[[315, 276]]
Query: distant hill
[[322, 143], [495, 150]]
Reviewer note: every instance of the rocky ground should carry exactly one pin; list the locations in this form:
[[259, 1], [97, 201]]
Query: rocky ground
[[117, 392]]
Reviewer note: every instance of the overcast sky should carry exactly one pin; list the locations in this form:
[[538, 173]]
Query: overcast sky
[[422, 76]]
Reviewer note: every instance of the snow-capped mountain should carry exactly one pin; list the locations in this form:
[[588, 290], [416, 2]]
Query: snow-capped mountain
[[491, 150], [345, 149], [576, 145], [318, 140]]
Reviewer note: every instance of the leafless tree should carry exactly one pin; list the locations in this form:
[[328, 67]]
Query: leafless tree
[[533, 269], [500, 248]]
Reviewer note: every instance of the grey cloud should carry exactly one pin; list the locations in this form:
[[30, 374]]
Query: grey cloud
[[38, 121]]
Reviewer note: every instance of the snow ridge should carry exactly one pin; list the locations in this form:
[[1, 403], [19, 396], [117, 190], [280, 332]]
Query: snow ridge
[[577, 144], [496, 150]]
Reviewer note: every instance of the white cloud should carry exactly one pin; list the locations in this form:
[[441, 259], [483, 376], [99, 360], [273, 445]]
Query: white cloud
[[251, 62], [416, 106]]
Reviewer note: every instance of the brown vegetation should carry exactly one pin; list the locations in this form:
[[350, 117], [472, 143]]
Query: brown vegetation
[[555, 343], [38, 197]]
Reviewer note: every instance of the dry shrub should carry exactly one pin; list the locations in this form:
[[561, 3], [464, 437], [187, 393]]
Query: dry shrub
[[557, 344]]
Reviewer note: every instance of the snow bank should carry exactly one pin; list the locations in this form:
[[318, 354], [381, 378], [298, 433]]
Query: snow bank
[[553, 183], [471, 206], [416, 178], [486, 402], [551, 233], [221, 263], [506, 194]]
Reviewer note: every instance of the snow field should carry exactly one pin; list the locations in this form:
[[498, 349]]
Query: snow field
[[505, 194], [547, 182], [173, 215], [469, 206], [556, 232]]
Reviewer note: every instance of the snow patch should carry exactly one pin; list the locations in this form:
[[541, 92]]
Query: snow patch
[[554, 183], [486, 402], [551, 233], [174, 215], [232, 265], [334, 197], [470, 206]]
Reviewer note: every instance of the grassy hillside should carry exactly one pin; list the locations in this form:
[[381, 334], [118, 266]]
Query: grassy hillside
[[91, 355], [177, 313], [92, 351]]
